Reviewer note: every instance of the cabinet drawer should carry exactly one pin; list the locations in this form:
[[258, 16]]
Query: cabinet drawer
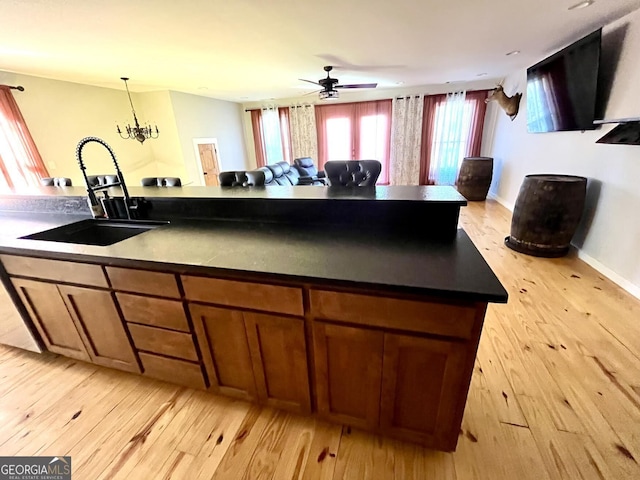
[[153, 311], [426, 317], [143, 281], [67, 272], [270, 298], [164, 342], [172, 370]]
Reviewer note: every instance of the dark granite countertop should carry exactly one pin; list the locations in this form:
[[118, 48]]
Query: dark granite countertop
[[431, 194], [345, 256]]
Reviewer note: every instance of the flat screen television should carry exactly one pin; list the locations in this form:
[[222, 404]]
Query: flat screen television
[[562, 89]]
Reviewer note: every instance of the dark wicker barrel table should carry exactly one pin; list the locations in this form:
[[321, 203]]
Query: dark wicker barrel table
[[546, 214]]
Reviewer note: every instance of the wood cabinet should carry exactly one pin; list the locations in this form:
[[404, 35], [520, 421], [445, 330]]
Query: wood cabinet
[[348, 367], [172, 370], [77, 322], [163, 342], [255, 356], [99, 324], [249, 295], [51, 318], [404, 386], [421, 385], [399, 366], [279, 357], [223, 342]]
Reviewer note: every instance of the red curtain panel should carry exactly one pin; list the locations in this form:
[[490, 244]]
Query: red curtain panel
[[20, 161]]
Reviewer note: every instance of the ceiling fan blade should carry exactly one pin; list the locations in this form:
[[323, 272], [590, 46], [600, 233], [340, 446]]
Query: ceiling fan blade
[[309, 81], [358, 85], [310, 93]]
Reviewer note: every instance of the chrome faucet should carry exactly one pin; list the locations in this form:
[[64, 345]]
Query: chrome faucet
[[107, 207]]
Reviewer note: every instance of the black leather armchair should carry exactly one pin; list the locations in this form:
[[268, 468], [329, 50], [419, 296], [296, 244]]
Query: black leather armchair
[[56, 182], [309, 174], [161, 182], [242, 179], [353, 173], [101, 180]]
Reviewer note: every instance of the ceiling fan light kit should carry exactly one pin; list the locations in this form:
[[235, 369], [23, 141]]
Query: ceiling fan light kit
[[329, 94], [329, 85]]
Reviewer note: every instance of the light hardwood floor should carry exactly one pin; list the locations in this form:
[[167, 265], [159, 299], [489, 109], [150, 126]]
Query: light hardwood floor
[[555, 394]]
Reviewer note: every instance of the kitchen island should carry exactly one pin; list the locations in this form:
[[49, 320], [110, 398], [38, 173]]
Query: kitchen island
[[373, 325]]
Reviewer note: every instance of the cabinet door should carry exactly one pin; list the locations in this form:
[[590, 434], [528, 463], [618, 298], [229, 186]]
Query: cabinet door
[[279, 355], [95, 314], [223, 342], [348, 366], [51, 318], [421, 388]]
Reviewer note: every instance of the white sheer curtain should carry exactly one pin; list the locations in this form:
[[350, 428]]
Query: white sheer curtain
[[406, 138], [304, 136], [451, 132], [272, 136]]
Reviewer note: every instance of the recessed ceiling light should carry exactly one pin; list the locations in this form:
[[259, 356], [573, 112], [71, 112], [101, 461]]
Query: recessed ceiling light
[[514, 52], [585, 4], [203, 88], [399, 83], [484, 74]]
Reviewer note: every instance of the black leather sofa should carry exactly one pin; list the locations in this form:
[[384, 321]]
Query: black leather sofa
[[281, 173]]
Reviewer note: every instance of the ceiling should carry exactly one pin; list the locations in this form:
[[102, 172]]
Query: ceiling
[[246, 50]]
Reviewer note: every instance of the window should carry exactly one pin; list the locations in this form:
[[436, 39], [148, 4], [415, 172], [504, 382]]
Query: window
[[271, 135], [452, 130], [452, 125], [355, 131]]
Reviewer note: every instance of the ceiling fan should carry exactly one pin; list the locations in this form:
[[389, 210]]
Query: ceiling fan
[[330, 85]]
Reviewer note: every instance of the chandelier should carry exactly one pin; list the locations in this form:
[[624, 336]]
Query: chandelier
[[136, 133]]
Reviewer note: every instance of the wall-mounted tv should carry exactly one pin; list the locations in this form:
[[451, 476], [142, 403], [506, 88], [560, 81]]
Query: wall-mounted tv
[[562, 89]]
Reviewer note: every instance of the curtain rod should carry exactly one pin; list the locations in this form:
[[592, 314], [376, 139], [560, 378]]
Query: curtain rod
[[18, 87], [396, 98], [273, 108], [428, 94]]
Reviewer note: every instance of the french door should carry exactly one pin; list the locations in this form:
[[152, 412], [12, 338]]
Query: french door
[[355, 131]]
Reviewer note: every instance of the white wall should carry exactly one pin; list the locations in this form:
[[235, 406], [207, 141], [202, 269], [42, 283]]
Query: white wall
[[166, 150], [609, 235], [59, 114], [204, 117]]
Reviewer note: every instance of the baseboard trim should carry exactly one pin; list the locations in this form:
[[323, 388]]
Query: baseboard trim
[[509, 206], [622, 282]]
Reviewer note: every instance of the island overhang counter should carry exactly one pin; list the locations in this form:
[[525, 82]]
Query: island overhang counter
[[371, 325]]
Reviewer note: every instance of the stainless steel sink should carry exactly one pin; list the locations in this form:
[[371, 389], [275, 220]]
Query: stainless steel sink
[[95, 231]]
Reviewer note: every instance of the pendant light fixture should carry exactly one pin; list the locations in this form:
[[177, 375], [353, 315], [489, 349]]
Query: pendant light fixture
[[136, 133]]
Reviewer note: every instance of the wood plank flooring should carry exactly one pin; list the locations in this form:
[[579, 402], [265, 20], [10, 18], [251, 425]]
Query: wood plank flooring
[[555, 394]]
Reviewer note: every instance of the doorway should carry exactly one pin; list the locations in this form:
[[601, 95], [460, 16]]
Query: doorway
[[208, 161]]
